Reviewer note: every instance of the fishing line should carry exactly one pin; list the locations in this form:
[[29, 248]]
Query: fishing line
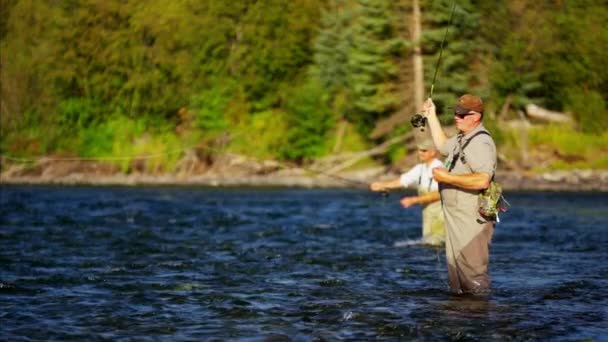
[[90, 159], [445, 35], [282, 165]]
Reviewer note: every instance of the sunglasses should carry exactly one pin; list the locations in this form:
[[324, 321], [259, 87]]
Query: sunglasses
[[462, 116]]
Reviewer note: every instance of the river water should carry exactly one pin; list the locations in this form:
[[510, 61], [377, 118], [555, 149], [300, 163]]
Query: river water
[[176, 263]]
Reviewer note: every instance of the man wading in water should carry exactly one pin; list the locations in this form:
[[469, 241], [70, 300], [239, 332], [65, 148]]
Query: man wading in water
[[469, 169], [433, 224]]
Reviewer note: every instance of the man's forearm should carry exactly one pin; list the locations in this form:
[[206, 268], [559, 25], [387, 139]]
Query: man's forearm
[[428, 197], [386, 185], [439, 137], [430, 112], [469, 181]]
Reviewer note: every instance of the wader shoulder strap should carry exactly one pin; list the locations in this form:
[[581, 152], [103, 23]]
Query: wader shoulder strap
[[422, 169], [471, 138], [460, 153]]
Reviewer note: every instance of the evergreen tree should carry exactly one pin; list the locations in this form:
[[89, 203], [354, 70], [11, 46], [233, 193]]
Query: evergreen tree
[[333, 45], [273, 47], [372, 68], [460, 68], [356, 55], [309, 121]]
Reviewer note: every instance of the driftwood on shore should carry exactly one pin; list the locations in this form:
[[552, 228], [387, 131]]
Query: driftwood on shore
[[336, 163]]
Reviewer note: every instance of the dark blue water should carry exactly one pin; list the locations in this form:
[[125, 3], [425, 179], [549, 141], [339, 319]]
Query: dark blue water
[[243, 264]]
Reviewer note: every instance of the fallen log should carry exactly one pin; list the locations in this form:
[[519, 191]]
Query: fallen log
[[542, 114]]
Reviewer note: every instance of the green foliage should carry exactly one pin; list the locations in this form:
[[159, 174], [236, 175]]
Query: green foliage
[[78, 113], [272, 44], [161, 151], [555, 147], [309, 121], [462, 51], [548, 48], [351, 140], [589, 109], [397, 152], [101, 140], [516, 71], [96, 141], [332, 46], [498, 134], [209, 107], [120, 78], [356, 58], [5, 8], [131, 144], [261, 135], [27, 137], [569, 142], [372, 74], [511, 142]]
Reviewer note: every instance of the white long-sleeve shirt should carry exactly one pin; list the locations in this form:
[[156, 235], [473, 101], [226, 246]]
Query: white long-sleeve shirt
[[421, 175]]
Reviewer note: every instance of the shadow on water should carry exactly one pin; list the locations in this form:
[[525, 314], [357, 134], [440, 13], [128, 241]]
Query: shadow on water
[[283, 264]]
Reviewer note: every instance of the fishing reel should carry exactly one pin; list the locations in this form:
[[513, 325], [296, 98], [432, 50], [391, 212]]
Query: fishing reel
[[418, 121]]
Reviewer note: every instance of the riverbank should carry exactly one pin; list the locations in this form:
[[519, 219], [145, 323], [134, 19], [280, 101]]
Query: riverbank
[[268, 174]]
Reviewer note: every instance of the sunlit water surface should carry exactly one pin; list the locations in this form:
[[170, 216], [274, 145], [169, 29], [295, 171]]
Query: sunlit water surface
[[276, 264]]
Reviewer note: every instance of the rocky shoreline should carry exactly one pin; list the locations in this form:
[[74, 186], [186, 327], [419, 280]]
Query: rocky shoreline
[[267, 174]]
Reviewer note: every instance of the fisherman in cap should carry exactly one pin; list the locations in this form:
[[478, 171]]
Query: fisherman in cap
[[470, 167], [433, 224]]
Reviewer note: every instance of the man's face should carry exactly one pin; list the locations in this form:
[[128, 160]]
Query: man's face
[[467, 122], [426, 155]]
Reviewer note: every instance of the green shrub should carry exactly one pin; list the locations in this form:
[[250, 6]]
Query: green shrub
[[96, 141], [309, 121], [260, 135], [78, 112], [123, 141], [564, 139], [397, 152], [29, 136], [210, 106], [568, 142], [589, 109]]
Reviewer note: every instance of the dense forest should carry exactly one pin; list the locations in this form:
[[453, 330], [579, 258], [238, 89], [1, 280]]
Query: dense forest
[[296, 80]]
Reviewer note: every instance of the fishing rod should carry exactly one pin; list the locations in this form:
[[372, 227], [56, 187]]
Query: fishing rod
[[334, 176], [445, 35], [419, 120]]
